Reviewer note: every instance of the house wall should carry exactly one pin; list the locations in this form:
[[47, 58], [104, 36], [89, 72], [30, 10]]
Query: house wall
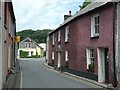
[[1, 46], [39, 50], [23, 45], [105, 38], [47, 47], [118, 44], [32, 48], [80, 39], [6, 37], [4, 48]]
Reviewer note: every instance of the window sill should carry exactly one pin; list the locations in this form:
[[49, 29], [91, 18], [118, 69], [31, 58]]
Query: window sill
[[93, 37], [90, 70], [66, 41]]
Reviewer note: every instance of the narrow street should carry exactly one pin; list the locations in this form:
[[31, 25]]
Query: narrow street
[[35, 75]]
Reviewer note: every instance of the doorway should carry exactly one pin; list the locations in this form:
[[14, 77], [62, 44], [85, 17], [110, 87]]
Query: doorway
[[59, 59], [103, 65]]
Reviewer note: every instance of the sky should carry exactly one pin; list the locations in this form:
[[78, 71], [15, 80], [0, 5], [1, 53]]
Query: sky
[[43, 14]]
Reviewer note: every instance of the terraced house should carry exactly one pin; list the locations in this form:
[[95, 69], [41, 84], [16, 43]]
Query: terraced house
[[7, 41], [87, 44]]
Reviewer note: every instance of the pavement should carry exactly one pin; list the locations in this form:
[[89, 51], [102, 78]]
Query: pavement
[[10, 83], [103, 85]]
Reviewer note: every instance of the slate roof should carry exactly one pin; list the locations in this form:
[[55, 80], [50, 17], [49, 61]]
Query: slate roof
[[92, 6]]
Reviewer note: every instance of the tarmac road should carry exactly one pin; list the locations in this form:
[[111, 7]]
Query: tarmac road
[[35, 75]]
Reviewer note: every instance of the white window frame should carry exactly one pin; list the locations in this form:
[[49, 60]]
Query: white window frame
[[93, 25], [90, 56], [66, 33], [53, 55], [59, 35], [66, 55], [53, 39]]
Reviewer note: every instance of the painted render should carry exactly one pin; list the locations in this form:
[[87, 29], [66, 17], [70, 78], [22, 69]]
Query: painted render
[[118, 45], [80, 40], [7, 45], [30, 46]]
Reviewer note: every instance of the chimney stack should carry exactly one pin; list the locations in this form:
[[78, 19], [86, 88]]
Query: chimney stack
[[67, 16]]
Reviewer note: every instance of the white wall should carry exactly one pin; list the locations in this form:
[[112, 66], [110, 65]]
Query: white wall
[[43, 45], [0, 50], [3, 47], [118, 45]]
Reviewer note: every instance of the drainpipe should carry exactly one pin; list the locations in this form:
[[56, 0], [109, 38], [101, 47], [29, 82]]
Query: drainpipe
[[114, 29]]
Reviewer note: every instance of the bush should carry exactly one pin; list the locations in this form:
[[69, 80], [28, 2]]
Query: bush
[[23, 54], [91, 67]]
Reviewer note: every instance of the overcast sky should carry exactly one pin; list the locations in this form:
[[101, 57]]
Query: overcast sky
[[42, 14]]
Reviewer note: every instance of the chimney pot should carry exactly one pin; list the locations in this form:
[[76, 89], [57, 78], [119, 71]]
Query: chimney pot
[[70, 13]]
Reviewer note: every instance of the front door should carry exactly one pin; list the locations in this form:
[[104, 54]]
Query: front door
[[103, 70], [106, 65]]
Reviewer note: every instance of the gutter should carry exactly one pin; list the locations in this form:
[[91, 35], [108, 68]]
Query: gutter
[[114, 29]]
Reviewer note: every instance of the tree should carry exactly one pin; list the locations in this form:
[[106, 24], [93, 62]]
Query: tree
[[85, 3], [38, 36]]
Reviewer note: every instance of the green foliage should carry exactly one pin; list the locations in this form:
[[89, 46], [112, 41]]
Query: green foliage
[[85, 3], [38, 36], [23, 54], [91, 67]]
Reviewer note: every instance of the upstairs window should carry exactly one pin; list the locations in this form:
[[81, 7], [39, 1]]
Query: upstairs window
[[95, 26], [29, 45], [66, 34], [59, 35], [53, 39], [26, 45]]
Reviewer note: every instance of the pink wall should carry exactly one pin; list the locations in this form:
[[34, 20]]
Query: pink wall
[[80, 39]]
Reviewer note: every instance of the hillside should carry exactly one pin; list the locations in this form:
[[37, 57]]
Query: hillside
[[38, 36]]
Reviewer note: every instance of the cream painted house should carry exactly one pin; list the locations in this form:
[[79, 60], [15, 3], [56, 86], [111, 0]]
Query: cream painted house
[[30, 46], [7, 41]]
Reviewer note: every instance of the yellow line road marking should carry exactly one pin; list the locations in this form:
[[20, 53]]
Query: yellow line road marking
[[21, 81]]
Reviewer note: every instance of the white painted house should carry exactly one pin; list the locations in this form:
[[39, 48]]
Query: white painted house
[[43, 45], [30, 46]]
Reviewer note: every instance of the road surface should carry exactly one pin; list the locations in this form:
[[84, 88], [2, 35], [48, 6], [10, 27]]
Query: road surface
[[35, 75]]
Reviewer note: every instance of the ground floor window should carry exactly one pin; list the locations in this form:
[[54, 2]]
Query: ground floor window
[[90, 59], [67, 58]]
